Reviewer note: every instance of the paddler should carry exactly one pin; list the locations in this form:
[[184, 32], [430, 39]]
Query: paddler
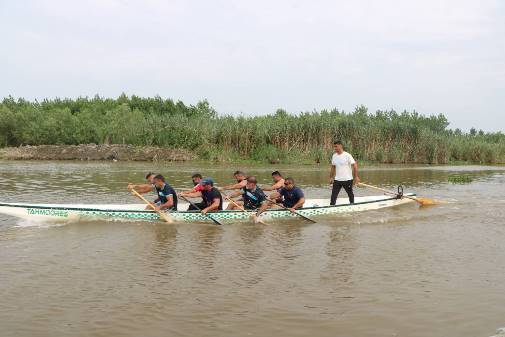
[[196, 178], [144, 188], [292, 196], [241, 179], [252, 197], [167, 198], [343, 167], [278, 182], [211, 197]]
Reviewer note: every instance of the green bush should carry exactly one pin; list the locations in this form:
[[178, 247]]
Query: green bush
[[383, 136]]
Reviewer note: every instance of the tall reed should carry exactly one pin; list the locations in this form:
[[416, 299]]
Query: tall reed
[[383, 136]]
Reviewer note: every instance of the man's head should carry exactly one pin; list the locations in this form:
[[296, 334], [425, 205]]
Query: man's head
[[251, 183], [159, 181], [239, 175], [289, 183], [150, 177], [197, 177], [338, 146], [276, 176], [207, 184]]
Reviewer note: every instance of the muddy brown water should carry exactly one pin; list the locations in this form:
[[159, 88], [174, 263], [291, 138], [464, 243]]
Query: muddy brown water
[[407, 271]]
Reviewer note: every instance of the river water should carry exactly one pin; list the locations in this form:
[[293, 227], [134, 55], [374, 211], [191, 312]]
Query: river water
[[407, 271]]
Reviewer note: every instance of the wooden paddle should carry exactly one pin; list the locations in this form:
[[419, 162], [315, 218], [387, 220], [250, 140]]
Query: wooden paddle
[[421, 201], [299, 214], [198, 208], [163, 215], [256, 219]]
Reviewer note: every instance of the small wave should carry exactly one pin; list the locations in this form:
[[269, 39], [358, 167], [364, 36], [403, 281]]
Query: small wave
[[37, 223], [500, 332]]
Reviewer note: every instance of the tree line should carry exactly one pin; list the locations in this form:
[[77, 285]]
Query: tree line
[[382, 136]]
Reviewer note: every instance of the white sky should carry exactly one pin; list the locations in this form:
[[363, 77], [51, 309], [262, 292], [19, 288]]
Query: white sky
[[252, 57]]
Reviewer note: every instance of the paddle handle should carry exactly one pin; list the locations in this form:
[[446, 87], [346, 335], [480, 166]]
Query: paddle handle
[[162, 215], [240, 207], [387, 191]]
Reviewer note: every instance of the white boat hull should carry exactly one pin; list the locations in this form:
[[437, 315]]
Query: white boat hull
[[75, 212]]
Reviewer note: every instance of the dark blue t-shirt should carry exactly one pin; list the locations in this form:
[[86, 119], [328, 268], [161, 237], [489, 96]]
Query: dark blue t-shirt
[[253, 199], [291, 197], [209, 196], [165, 192]]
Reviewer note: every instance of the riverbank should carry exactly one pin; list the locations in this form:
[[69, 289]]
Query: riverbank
[[125, 152], [114, 152]]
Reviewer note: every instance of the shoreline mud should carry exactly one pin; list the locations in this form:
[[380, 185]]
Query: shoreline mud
[[112, 152]]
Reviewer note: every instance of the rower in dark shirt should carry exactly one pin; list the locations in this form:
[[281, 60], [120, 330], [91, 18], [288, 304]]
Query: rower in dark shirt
[[211, 197], [252, 196], [292, 196], [167, 198]]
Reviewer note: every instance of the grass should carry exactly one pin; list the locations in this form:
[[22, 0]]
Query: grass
[[382, 136]]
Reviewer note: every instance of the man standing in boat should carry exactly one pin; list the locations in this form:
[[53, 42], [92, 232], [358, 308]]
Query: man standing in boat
[[167, 198], [343, 168]]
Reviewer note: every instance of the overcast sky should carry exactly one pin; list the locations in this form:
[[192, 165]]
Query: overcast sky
[[253, 57]]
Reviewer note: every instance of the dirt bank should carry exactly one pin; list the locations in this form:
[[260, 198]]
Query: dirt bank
[[95, 152]]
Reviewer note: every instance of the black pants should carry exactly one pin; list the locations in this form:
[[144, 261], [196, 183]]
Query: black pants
[[200, 205], [337, 186]]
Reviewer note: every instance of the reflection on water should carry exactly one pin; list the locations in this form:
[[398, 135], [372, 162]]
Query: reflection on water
[[407, 271]]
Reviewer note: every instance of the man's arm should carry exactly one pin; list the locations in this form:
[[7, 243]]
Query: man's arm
[[142, 188], [235, 186], [191, 194], [188, 192], [298, 204], [355, 173], [275, 186], [214, 206], [168, 204], [333, 171], [235, 194], [274, 196], [264, 206]]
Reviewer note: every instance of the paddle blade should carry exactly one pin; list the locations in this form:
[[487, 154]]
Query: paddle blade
[[426, 201], [165, 217], [257, 219]]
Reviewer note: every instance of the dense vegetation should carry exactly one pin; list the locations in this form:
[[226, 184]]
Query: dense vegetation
[[383, 136]]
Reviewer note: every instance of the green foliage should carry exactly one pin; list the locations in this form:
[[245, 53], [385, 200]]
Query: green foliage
[[383, 136], [459, 179]]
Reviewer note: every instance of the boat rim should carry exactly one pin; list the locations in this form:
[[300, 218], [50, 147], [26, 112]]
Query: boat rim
[[59, 208]]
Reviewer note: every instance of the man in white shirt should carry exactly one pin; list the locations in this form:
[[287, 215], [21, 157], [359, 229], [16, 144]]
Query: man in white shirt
[[343, 167]]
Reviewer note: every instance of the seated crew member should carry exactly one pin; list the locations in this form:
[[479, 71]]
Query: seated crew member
[[252, 196], [167, 198], [211, 197], [241, 179], [145, 188], [278, 182], [292, 195], [196, 178]]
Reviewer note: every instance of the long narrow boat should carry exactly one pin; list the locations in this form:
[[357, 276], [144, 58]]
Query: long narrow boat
[[75, 212]]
